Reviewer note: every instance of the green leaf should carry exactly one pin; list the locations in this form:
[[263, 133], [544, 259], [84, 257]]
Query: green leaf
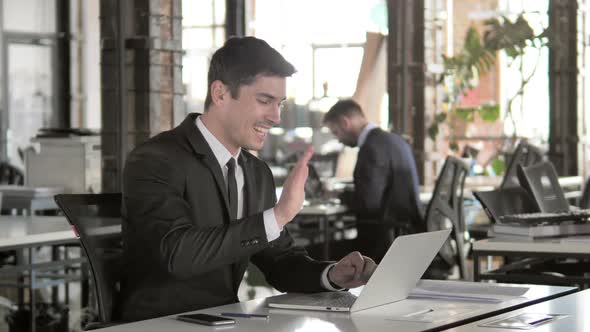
[[489, 113], [465, 114], [440, 117], [498, 165], [433, 131]]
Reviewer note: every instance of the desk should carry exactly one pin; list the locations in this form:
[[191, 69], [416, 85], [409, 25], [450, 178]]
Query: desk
[[539, 248], [323, 212], [571, 184], [29, 198], [375, 319], [17, 232], [22, 233], [575, 306]]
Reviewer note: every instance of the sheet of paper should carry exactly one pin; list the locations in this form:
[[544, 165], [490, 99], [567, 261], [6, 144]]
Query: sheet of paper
[[525, 321], [433, 315], [456, 298], [576, 239], [456, 290]]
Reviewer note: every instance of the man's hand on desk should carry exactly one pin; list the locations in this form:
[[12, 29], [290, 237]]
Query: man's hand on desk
[[293, 193], [352, 271]]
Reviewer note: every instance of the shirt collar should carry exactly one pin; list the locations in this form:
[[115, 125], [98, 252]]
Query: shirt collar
[[219, 151], [363, 136]]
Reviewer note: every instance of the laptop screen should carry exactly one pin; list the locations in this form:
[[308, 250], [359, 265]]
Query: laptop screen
[[507, 201], [541, 181]]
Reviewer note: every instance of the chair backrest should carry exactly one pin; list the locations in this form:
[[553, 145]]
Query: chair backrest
[[313, 185], [541, 181], [325, 164], [96, 219], [525, 155], [584, 202], [9, 174], [445, 211], [501, 202]]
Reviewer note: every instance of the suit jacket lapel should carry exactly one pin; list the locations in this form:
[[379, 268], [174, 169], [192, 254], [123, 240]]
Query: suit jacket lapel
[[199, 144]]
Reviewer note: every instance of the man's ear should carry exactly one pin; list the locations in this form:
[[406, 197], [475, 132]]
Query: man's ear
[[218, 92]]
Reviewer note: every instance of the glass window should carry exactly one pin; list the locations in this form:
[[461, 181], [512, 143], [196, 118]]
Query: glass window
[[339, 68], [29, 15], [30, 91], [203, 32], [313, 36], [530, 111]]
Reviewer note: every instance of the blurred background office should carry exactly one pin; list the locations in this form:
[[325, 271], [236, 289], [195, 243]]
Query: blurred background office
[[85, 81]]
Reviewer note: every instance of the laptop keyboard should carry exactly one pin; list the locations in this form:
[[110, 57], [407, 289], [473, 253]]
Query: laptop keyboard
[[547, 217], [328, 299]]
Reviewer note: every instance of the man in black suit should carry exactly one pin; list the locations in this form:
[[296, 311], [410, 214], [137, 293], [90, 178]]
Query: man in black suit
[[198, 206], [385, 179]]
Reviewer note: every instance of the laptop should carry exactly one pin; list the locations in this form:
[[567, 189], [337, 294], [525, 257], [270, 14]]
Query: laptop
[[399, 271], [501, 202], [541, 182]]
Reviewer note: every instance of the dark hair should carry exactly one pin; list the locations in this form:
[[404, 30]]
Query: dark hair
[[345, 107], [240, 60]]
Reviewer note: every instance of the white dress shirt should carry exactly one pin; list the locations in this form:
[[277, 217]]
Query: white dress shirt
[[273, 231], [363, 136]]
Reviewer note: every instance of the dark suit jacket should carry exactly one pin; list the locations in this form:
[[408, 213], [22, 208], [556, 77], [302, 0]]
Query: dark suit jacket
[[386, 182], [182, 252]]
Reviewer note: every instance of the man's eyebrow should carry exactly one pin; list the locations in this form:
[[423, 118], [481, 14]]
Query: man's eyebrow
[[269, 96]]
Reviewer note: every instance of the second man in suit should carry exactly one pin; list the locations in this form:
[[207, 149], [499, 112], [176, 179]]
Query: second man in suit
[[386, 192]]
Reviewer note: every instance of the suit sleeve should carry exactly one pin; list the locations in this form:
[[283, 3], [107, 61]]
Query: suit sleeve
[[159, 222]]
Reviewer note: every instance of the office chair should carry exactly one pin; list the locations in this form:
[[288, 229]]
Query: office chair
[[96, 219], [445, 211], [526, 155], [325, 164], [9, 174], [584, 202]]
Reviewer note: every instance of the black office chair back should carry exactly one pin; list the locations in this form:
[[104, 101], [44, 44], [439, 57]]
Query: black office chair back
[[501, 202], [325, 164], [96, 219], [9, 174], [445, 211], [313, 185], [584, 202], [525, 155], [542, 182]]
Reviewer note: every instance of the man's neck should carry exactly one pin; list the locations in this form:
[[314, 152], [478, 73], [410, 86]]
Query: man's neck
[[216, 130]]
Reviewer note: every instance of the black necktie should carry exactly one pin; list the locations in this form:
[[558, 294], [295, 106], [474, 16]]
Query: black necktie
[[232, 189]]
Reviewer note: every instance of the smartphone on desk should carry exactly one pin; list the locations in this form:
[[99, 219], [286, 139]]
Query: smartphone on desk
[[206, 319]]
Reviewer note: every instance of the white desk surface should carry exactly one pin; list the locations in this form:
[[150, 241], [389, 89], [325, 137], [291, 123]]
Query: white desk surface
[[26, 231], [576, 306], [323, 210], [376, 319], [551, 245], [482, 182]]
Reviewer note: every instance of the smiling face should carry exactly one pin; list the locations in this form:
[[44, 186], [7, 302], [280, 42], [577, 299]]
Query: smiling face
[[244, 122]]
